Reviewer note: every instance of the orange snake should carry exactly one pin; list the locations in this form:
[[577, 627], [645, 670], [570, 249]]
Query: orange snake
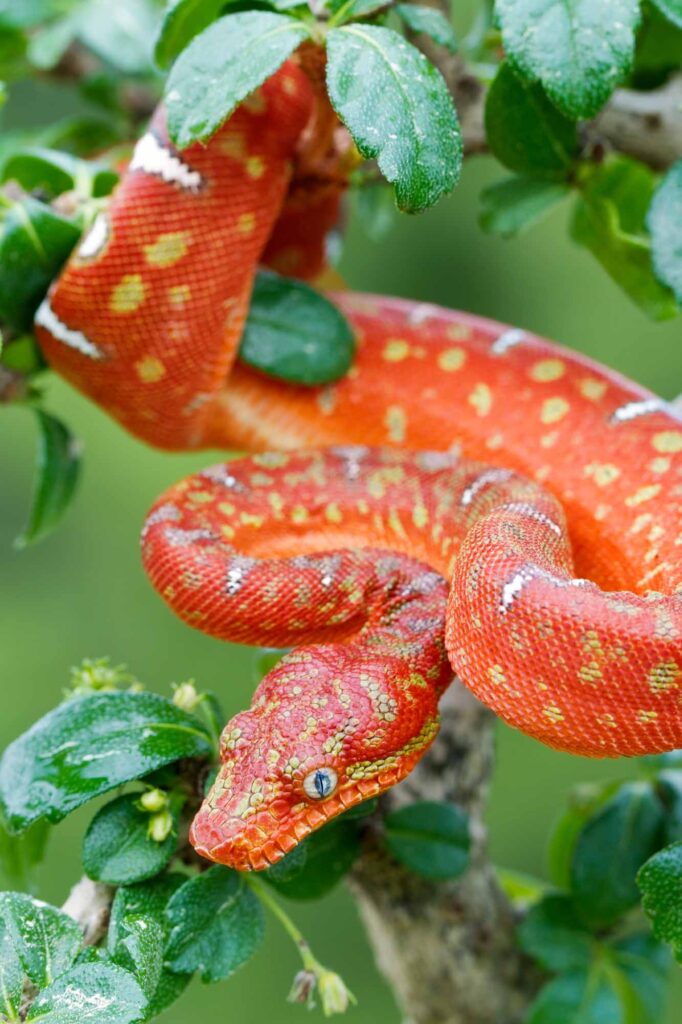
[[563, 611]]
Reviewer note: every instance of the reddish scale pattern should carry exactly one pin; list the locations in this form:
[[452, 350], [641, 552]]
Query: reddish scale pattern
[[146, 319]]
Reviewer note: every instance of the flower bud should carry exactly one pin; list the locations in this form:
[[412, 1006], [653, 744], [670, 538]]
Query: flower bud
[[186, 696], [160, 826], [303, 989], [153, 800], [334, 995]]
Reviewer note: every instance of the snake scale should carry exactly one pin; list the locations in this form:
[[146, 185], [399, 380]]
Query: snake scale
[[468, 497]]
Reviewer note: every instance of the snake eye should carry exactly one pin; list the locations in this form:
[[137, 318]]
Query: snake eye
[[320, 783]]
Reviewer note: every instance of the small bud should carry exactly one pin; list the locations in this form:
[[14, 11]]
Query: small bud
[[95, 675], [153, 800], [335, 997], [160, 826], [303, 989], [186, 696]]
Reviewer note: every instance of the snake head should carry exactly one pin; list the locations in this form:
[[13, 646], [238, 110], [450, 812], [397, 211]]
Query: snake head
[[307, 750]]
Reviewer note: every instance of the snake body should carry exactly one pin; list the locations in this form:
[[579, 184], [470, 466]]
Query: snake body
[[537, 552]]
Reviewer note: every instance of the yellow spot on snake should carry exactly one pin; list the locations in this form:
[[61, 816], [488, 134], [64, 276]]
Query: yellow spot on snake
[[255, 103], [179, 294], [333, 513], [246, 223], [395, 422], [661, 465], [167, 249], [150, 369], [497, 676], [420, 516], [645, 717], [548, 370], [642, 495], [452, 359], [592, 389], [289, 85], [128, 295], [554, 409], [232, 144], [458, 332], [553, 713], [299, 514], [668, 441], [255, 167], [603, 474], [396, 350], [664, 677], [482, 399]]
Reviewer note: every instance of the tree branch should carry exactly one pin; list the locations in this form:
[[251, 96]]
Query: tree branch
[[447, 950]]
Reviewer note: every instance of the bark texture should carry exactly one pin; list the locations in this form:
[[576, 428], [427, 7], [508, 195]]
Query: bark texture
[[447, 950]]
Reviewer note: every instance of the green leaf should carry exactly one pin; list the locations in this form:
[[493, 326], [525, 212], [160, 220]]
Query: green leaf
[[609, 221], [53, 173], [658, 52], [350, 10], [11, 975], [27, 12], [46, 940], [222, 65], [376, 210], [120, 33], [553, 934], [643, 965], [294, 333], [610, 850], [88, 746], [101, 993], [431, 839], [140, 951], [35, 242], [318, 863], [670, 792], [57, 474], [431, 22], [524, 131], [578, 49], [117, 848], [661, 883], [182, 21], [21, 855], [672, 9], [398, 109], [584, 802], [146, 902], [49, 42], [579, 997], [511, 206], [665, 224], [217, 925]]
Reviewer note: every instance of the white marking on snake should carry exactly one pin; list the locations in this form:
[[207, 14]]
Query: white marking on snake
[[154, 158], [96, 238], [424, 311], [47, 318], [222, 475], [432, 462], [633, 410], [178, 537], [163, 514], [491, 476], [512, 590], [526, 509], [509, 339]]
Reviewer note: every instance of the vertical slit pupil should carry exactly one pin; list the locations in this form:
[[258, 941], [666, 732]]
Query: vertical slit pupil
[[322, 783]]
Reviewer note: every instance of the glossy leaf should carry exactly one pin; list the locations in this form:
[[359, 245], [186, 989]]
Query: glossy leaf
[[672, 9], [431, 839], [660, 881], [45, 939], [217, 925], [609, 221], [140, 951], [54, 172], [294, 333], [670, 791], [578, 49], [117, 848], [27, 12], [524, 131], [430, 21], [147, 902], [318, 863], [553, 934], [11, 975], [222, 65], [35, 242], [610, 850], [182, 21], [57, 473], [398, 109], [97, 993], [511, 206], [584, 803], [643, 966], [90, 745], [350, 10], [665, 224]]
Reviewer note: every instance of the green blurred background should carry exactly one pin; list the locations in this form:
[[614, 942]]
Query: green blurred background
[[83, 593]]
